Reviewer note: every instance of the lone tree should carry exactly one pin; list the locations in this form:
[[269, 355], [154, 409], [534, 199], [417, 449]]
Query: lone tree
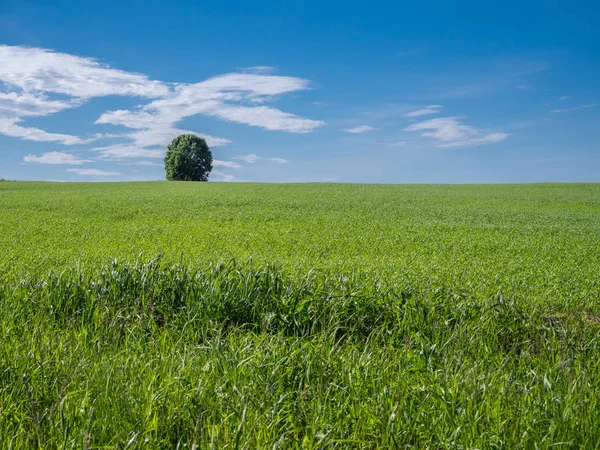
[[188, 158]]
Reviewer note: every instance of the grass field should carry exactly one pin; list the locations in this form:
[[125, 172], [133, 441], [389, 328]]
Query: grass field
[[206, 315]]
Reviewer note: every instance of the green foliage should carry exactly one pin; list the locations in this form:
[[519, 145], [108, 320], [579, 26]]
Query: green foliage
[[155, 355], [344, 316], [188, 158]]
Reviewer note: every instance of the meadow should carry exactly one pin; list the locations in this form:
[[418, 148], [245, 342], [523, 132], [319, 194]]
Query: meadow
[[211, 315]]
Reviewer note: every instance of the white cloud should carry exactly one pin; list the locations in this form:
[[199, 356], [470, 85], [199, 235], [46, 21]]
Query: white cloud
[[217, 175], [252, 84], [431, 109], [40, 70], [250, 159], [394, 143], [260, 69], [278, 160], [141, 163], [93, 172], [10, 128], [13, 104], [228, 164], [162, 136], [450, 132], [37, 81], [564, 110], [124, 151], [56, 158], [265, 117], [253, 157], [360, 129], [565, 97], [144, 143], [219, 97]]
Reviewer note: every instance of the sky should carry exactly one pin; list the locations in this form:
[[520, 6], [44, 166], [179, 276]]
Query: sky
[[362, 92]]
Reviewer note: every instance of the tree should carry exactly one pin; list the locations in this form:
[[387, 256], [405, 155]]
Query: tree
[[188, 158]]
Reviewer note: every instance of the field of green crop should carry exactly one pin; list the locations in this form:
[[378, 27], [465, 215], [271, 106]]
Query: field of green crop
[[208, 315]]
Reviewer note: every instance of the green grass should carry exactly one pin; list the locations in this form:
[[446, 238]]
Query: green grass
[[299, 316]]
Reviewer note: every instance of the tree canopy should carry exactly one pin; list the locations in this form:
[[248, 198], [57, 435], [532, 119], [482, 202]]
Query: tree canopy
[[188, 158]]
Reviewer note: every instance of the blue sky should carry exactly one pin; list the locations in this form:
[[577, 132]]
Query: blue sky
[[378, 92]]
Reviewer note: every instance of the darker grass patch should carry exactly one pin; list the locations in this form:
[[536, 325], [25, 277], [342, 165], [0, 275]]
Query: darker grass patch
[[151, 296], [593, 319], [156, 355]]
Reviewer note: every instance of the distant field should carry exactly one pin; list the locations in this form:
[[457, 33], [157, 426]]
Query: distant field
[[539, 242], [168, 314]]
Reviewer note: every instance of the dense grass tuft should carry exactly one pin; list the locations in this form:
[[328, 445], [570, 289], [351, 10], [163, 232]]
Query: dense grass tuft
[[243, 355]]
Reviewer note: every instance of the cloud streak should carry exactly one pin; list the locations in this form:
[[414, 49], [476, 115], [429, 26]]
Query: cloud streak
[[431, 109], [217, 175], [260, 69], [38, 80], [41, 70], [360, 129], [93, 172], [125, 151], [253, 157], [13, 104], [565, 110], [10, 127], [221, 97], [227, 164], [450, 132], [56, 158]]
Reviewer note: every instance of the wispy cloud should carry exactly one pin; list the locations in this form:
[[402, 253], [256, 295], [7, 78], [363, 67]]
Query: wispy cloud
[[360, 129], [260, 69], [278, 160], [565, 97], [13, 104], [40, 70], [9, 127], [450, 132], [394, 143], [564, 110], [56, 158], [150, 143], [93, 172], [265, 117], [227, 164], [124, 151], [253, 157], [479, 78], [141, 163], [219, 97], [217, 175], [37, 81], [431, 109]]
